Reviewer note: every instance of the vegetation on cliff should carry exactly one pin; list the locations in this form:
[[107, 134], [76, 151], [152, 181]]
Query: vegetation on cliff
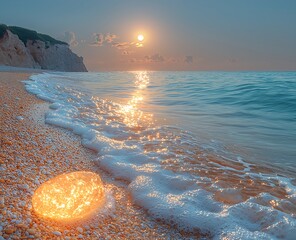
[[27, 34], [3, 29]]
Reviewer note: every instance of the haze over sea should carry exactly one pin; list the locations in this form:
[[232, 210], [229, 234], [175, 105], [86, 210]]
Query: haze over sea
[[195, 146]]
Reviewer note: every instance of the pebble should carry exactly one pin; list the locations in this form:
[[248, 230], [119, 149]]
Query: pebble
[[15, 193], [57, 233], [28, 220], [31, 231], [22, 203], [9, 230], [23, 186], [79, 229], [20, 118], [21, 225], [19, 173]]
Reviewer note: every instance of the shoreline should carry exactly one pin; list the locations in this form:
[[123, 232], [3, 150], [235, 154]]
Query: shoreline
[[33, 152]]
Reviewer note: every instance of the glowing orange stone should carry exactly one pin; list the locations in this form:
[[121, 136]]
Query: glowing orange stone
[[69, 197]]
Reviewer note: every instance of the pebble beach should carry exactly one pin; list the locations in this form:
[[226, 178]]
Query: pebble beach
[[33, 152]]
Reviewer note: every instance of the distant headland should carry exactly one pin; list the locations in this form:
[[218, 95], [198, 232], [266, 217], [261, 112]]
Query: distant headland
[[20, 47]]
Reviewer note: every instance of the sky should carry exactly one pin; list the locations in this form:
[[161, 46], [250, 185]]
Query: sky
[[228, 35]]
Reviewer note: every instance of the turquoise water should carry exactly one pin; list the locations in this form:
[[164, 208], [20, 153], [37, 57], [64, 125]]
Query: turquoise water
[[213, 151], [250, 112]]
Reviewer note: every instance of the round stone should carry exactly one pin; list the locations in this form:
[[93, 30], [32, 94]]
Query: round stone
[[69, 197]]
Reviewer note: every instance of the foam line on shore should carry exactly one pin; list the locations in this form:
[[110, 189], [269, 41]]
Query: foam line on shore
[[179, 198], [33, 152]]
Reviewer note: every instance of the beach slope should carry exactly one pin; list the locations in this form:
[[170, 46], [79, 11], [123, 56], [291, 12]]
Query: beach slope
[[33, 152]]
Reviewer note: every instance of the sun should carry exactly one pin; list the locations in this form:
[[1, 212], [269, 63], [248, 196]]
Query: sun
[[140, 37]]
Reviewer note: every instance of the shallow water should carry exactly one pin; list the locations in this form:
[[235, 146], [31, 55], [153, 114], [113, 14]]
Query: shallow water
[[212, 151]]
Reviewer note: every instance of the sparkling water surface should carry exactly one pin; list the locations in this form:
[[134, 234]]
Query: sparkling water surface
[[207, 151], [252, 113]]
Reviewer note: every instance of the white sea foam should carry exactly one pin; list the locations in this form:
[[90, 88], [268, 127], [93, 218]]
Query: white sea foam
[[165, 174]]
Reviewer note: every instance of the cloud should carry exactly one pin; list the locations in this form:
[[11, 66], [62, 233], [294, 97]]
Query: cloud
[[158, 58], [98, 40], [70, 38], [101, 39], [125, 52], [139, 44], [109, 37], [129, 48], [188, 59], [121, 45], [154, 58]]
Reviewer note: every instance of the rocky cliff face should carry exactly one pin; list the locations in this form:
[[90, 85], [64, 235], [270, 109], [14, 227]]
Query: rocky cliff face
[[38, 54], [55, 57], [13, 52]]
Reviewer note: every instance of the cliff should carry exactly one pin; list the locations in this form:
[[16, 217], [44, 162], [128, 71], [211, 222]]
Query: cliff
[[21, 47]]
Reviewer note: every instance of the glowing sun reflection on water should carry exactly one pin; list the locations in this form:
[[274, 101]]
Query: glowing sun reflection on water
[[133, 116]]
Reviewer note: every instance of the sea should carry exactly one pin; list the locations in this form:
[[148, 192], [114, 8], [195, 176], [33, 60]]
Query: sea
[[213, 152]]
